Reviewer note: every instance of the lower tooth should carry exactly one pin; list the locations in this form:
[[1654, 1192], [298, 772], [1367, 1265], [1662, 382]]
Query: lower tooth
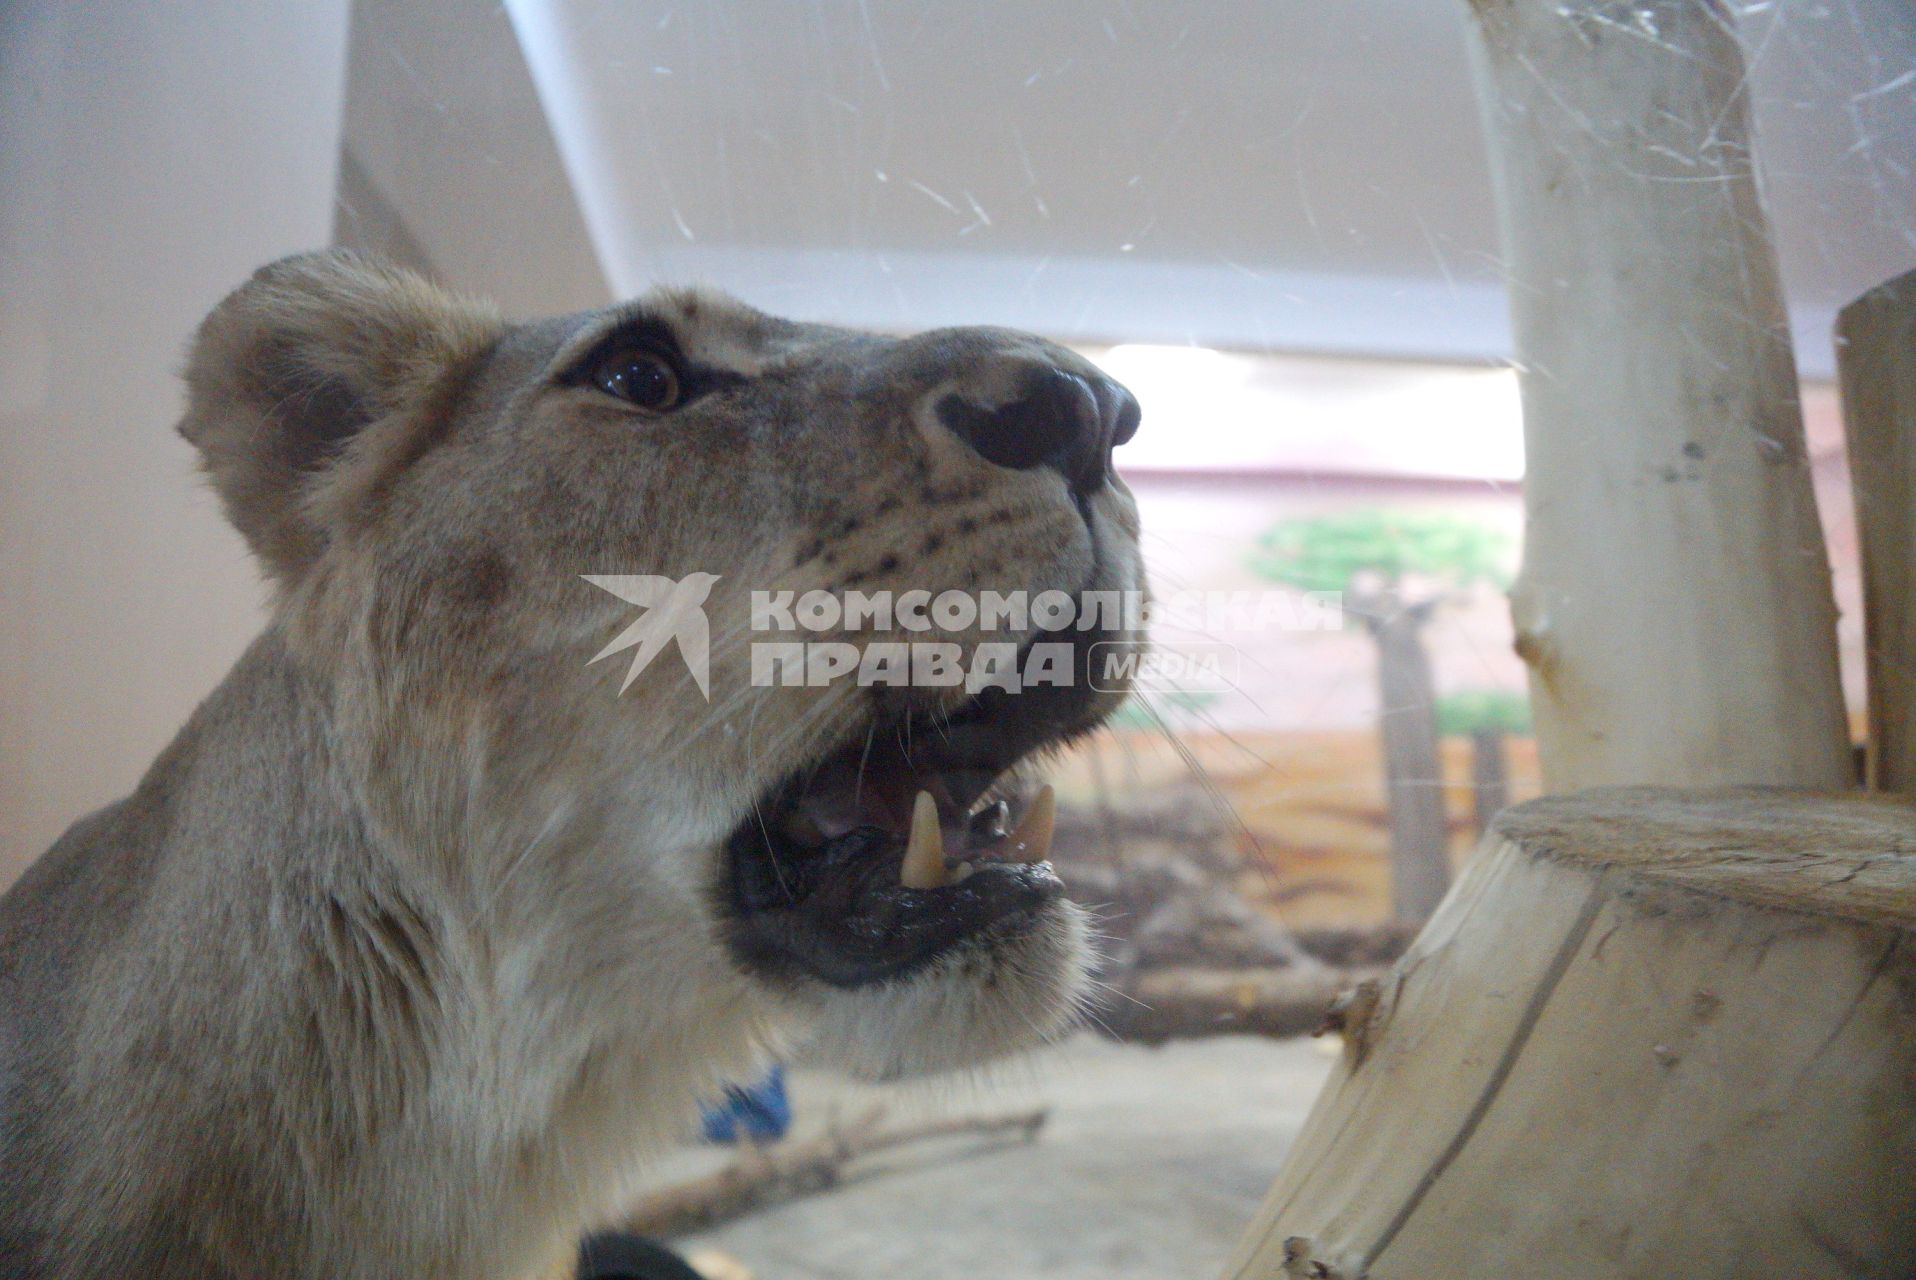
[[961, 871], [1031, 842]]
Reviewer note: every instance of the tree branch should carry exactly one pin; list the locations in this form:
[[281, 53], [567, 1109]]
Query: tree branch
[[763, 1176]]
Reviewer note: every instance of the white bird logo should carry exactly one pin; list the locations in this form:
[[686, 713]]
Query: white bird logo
[[674, 610]]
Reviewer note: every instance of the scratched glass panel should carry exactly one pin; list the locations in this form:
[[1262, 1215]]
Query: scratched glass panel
[[1273, 223]]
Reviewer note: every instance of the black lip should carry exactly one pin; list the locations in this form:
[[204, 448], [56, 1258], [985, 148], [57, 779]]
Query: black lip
[[842, 918], [836, 913]]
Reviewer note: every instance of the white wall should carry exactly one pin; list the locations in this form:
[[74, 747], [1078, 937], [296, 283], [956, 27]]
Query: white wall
[[1308, 177], [151, 155], [450, 167]]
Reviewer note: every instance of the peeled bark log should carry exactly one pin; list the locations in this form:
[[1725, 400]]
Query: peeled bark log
[[1674, 607], [1876, 360], [1650, 1033], [1188, 1001]]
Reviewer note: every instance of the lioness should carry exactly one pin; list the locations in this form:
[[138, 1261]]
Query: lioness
[[422, 932]]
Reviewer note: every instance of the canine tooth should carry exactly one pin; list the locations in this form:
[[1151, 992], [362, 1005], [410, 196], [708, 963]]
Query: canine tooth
[[924, 866], [1031, 842]]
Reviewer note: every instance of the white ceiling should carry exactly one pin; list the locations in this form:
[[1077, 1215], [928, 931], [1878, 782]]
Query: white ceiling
[[1304, 176]]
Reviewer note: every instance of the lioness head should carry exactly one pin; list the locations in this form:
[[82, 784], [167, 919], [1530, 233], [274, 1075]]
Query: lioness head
[[441, 500]]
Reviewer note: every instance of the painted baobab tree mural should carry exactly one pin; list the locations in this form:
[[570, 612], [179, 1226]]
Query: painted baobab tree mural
[[1395, 571]]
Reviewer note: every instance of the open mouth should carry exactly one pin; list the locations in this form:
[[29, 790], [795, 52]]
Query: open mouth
[[907, 842]]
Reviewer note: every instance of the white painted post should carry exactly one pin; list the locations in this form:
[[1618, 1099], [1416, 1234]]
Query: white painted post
[[1674, 606]]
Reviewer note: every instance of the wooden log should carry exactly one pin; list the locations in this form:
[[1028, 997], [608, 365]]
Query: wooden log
[[1876, 364], [1188, 1001], [1674, 605], [1650, 1033]]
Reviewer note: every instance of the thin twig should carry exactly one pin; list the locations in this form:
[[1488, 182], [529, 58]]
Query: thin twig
[[763, 1176]]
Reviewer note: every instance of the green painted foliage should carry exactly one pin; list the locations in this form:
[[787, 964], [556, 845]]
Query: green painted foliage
[[1150, 710], [1469, 710], [1352, 550]]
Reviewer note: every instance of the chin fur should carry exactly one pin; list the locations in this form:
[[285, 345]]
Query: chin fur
[[979, 1002]]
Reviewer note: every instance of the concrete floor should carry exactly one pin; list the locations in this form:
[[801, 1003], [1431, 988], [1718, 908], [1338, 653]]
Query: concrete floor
[[1151, 1163]]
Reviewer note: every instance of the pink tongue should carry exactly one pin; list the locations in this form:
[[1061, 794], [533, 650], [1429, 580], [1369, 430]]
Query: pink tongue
[[842, 798]]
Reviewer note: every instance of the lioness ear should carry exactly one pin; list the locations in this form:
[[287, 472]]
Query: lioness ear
[[310, 385]]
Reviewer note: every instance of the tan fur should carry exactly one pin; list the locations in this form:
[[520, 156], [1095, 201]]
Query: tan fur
[[403, 954]]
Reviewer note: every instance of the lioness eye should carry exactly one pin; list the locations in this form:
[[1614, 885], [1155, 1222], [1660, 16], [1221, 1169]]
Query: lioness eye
[[644, 378]]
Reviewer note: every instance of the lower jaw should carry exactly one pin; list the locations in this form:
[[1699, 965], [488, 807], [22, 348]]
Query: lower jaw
[[892, 932], [803, 900]]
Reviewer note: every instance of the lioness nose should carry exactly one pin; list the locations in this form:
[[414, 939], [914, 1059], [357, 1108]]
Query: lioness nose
[[1062, 420]]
